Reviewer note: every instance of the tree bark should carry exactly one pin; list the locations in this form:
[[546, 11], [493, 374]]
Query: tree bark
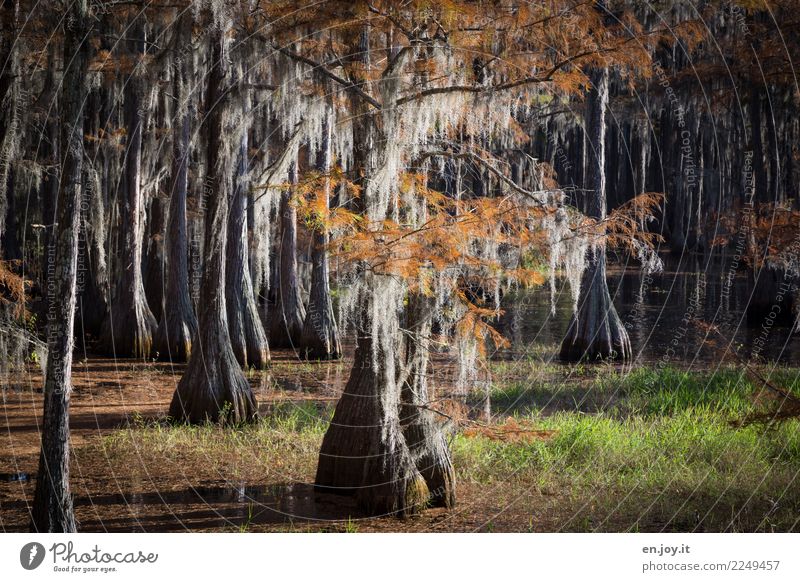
[[49, 156], [92, 307], [775, 194], [9, 115], [154, 254], [768, 285], [10, 244], [595, 330], [762, 193], [52, 504], [424, 436], [178, 324], [128, 332], [364, 452], [286, 321], [248, 338], [320, 337], [213, 388]]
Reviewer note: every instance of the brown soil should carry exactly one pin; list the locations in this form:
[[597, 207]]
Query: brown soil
[[165, 494]]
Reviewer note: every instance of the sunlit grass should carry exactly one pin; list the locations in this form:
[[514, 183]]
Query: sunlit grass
[[655, 445], [658, 392], [648, 449], [598, 449], [629, 468], [283, 444]]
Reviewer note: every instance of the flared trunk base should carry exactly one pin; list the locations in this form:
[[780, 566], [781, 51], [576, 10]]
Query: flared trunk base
[[595, 332], [213, 389], [128, 333], [364, 452]]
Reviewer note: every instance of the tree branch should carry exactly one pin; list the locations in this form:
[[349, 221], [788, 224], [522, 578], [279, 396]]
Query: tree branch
[[320, 68]]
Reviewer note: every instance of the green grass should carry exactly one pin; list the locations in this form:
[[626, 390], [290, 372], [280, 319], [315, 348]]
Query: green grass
[[648, 450], [647, 391], [658, 446], [669, 391], [598, 449], [283, 444]]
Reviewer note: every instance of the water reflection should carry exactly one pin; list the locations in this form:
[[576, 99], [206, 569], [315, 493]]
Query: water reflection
[[661, 313], [199, 508]]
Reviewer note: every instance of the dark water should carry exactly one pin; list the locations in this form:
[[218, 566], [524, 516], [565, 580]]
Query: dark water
[[202, 508], [14, 477], [666, 316]]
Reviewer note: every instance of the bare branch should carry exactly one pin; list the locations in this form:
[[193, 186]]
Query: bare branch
[[321, 69]]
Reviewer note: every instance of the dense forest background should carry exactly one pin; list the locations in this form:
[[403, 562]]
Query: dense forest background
[[203, 182]]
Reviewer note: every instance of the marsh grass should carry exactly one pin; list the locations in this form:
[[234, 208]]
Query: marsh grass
[[656, 447], [648, 391], [281, 445], [643, 451]]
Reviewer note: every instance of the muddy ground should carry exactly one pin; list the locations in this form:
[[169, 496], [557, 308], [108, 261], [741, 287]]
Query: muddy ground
[[112, 395]]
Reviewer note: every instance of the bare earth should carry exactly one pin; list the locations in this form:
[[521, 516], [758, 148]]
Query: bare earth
[[169, 495]]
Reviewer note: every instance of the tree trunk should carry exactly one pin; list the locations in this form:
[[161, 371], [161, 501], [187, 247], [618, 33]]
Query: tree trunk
[[213, 388], [595, 331], [10, 245], [92, 306], [11, 110], [425, 438], [787, 149], [178, 324], [154, 255], [768, 286], [49, 156], [128, 332], [286, 321], [320, 337], [248, 338], [775, 194], [52, 503], [364, 452], [762, 194]]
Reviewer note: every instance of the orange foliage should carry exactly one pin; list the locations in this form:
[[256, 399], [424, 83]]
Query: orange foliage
[[625, 225], [510, 431], [768, 231], [12, 287]]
